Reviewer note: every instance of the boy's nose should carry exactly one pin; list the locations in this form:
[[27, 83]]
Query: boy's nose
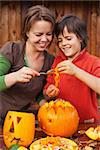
[[64, 42]]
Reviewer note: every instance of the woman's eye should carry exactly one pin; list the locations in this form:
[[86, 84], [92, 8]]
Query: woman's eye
[[49, 34], [38, 34]]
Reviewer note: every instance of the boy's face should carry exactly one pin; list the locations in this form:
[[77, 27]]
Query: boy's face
[[69, 43]]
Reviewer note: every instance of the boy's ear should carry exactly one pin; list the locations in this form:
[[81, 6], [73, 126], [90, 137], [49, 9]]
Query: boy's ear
[[80, 39]]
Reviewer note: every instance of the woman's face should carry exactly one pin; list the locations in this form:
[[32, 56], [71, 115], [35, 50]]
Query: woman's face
[[40, 35], [69, 43]]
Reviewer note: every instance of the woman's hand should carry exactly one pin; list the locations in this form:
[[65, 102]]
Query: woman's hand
[[52, 91], [25, 74], [67, 67]]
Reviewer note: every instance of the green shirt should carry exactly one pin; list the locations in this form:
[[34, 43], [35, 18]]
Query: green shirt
[[4, 68]]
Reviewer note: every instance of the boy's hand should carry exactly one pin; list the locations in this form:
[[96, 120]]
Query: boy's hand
[[67, 67], [52, 91]]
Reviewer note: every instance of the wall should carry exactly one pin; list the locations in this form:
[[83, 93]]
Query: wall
[[11, 16]]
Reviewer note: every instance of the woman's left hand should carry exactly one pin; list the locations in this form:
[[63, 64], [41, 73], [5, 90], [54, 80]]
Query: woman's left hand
[[67, 67]]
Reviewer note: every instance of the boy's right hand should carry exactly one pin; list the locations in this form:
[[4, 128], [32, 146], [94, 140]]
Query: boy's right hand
[[52, 91]]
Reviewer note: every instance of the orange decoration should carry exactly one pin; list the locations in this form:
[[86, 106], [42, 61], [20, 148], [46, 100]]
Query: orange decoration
[[57, 77], [19, 128], [58, 118]]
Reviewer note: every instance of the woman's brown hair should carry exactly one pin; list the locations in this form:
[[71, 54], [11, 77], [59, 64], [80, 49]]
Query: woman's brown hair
[[36, 13]]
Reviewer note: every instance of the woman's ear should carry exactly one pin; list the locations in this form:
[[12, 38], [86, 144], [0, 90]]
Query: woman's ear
[[27, 34], [81, 40]]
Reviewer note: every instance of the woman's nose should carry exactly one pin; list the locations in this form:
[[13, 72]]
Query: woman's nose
[[44, 38]]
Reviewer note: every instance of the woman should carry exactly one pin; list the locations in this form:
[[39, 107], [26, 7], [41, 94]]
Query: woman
[[79, 71], [21, 62]]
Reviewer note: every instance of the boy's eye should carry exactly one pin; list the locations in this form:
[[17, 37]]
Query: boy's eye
[[59, 40], [69, 38]]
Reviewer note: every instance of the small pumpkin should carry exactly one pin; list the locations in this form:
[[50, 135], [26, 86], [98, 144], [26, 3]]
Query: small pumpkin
[[19, 128], [58, 118], [93, 133]]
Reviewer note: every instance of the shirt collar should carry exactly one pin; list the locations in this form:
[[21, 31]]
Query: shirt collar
[[62, 55]]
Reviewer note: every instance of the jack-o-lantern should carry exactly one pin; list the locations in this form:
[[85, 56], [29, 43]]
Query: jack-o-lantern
[[58, 118], [19, 128]]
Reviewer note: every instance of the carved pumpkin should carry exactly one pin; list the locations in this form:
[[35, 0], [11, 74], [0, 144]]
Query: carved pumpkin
[[58, 118], [19, 128], [93, 133], [54, 143]]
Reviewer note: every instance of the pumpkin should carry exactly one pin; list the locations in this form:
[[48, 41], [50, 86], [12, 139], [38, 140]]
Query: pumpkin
[[22, 148], [54, 143], [58, 118], [19, 128], [93, 133]]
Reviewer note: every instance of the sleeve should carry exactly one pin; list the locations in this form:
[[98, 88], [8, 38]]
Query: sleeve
[[96, 68], [7, 51], [12, 51], [2, 83], [4, 68]]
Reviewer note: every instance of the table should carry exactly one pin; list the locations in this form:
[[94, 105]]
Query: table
[[80, 139]]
